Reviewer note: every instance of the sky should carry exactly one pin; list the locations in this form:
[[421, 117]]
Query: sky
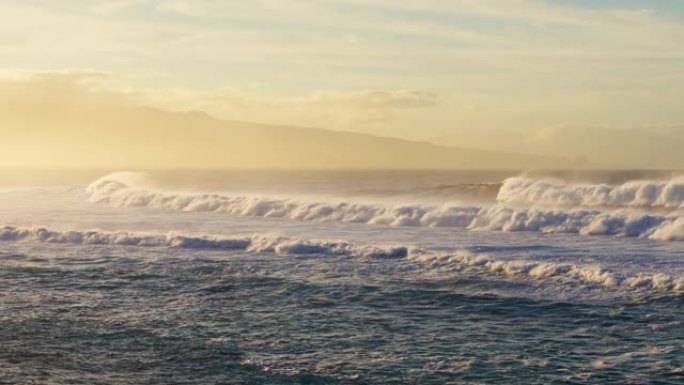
[[460, 72]]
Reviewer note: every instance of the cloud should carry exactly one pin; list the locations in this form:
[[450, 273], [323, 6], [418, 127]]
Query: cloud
[[88, 85], [58, 76], [364, 110], [372, 99], [113, 6], [375, 111], [400, 68]]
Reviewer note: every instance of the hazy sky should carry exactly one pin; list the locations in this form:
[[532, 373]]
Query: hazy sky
[[418, 69]]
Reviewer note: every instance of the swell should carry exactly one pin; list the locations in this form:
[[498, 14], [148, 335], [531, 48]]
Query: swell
[[476, 191], [553, 192], [120, 189], [252, 244], [459, 260], [587, 274]]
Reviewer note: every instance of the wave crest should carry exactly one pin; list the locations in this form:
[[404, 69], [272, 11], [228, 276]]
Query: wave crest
[[623, 223], [118, 191], [552, 192], [121, 190], [255, 243], [588, 274]]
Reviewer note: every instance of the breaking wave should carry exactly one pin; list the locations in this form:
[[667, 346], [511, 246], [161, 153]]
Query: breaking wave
[[623, 223], [255, 243], [553, 192], [588, 274], [120, 189]]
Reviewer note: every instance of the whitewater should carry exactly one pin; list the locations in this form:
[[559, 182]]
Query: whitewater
[[342, 277], [127, 190]]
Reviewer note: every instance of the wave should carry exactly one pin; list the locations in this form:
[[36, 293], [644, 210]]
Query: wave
[[622, 223], [255, 243], [554, 192], [592, 274], [588, 274], [119, 189]]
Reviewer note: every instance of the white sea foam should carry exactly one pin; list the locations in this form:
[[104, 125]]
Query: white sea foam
[[592, 274], [553, 192], [624, 223], [129, 190], [254, 243], [121, 189]]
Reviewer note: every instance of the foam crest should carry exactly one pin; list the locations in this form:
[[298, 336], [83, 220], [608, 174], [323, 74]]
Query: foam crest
[[553, 192], [254, 243], [461, 259], [589, 274], [126, 190], [623, 223], [16, 234], [119, 190]]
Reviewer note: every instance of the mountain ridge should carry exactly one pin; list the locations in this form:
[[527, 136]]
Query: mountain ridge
[[111, 135]]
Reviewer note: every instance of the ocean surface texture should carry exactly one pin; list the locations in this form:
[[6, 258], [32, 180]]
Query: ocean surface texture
[[343, 278]]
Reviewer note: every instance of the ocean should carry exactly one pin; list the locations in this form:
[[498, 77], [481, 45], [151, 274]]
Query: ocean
[[342, 277]]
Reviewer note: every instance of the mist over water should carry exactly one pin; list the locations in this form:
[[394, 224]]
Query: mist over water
[[343, 277]]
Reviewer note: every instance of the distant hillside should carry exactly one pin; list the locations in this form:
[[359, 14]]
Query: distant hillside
[[656, 147], [94, 133]]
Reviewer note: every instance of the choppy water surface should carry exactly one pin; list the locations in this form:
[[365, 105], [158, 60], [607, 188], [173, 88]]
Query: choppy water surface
[[136, 281]]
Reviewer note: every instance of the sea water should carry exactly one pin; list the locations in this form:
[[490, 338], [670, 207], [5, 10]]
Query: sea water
[[343, 277]]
